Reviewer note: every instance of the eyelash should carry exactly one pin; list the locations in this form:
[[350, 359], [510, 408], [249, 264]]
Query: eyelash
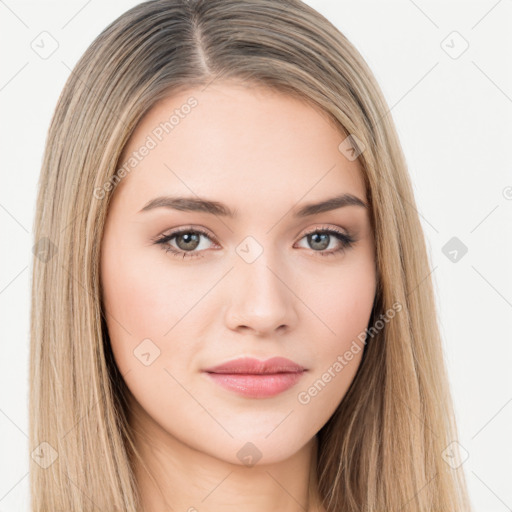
[[347, 241]]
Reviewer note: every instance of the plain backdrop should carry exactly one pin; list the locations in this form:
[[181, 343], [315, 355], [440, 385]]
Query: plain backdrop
[[445, 70]]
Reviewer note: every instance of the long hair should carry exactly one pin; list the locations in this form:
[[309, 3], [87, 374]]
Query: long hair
[[383, 448]]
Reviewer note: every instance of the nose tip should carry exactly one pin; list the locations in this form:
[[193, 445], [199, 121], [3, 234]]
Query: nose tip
[[260, 301]]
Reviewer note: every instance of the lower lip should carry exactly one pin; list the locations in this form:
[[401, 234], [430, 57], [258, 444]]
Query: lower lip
[[256, 386]]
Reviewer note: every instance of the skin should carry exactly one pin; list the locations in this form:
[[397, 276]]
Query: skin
[[263, 154]]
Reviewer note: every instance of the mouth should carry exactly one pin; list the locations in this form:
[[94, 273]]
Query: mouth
[[256, 379]]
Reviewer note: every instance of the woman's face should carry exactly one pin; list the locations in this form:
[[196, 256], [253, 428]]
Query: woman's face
[[274, 279]]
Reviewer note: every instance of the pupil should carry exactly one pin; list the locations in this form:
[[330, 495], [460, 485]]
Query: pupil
[[191, 241], [314, 240]]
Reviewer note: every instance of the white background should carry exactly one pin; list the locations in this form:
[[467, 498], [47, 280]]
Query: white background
[[453, 116]]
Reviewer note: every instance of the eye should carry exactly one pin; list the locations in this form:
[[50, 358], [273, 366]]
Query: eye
[[187, 240], [320, 239]]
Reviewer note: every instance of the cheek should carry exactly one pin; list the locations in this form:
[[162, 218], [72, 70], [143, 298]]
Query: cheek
[[140, 291], [344, 301], [140, 302]]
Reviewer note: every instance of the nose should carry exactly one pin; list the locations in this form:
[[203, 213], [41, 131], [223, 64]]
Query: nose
[[261, 298]]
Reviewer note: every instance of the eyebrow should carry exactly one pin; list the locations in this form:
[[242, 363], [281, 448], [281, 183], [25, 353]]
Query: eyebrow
[[194, 204]]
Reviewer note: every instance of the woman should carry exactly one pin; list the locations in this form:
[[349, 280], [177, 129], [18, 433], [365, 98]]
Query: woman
[[234, 308]]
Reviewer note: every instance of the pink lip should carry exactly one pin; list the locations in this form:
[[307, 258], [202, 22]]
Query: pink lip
[[257, 379]]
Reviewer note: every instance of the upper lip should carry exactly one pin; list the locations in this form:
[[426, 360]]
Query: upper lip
[[249, 365]]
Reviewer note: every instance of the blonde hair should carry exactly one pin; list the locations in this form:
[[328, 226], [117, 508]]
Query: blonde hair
[[382, 450]]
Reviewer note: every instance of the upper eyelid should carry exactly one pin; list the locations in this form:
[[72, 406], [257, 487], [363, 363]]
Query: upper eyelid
[[201, 231], [207, 232]]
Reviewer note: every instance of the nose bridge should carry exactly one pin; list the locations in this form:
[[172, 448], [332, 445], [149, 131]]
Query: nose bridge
[[261, 299]]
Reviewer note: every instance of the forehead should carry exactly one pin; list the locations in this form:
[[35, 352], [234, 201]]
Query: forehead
[[238, 140]]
